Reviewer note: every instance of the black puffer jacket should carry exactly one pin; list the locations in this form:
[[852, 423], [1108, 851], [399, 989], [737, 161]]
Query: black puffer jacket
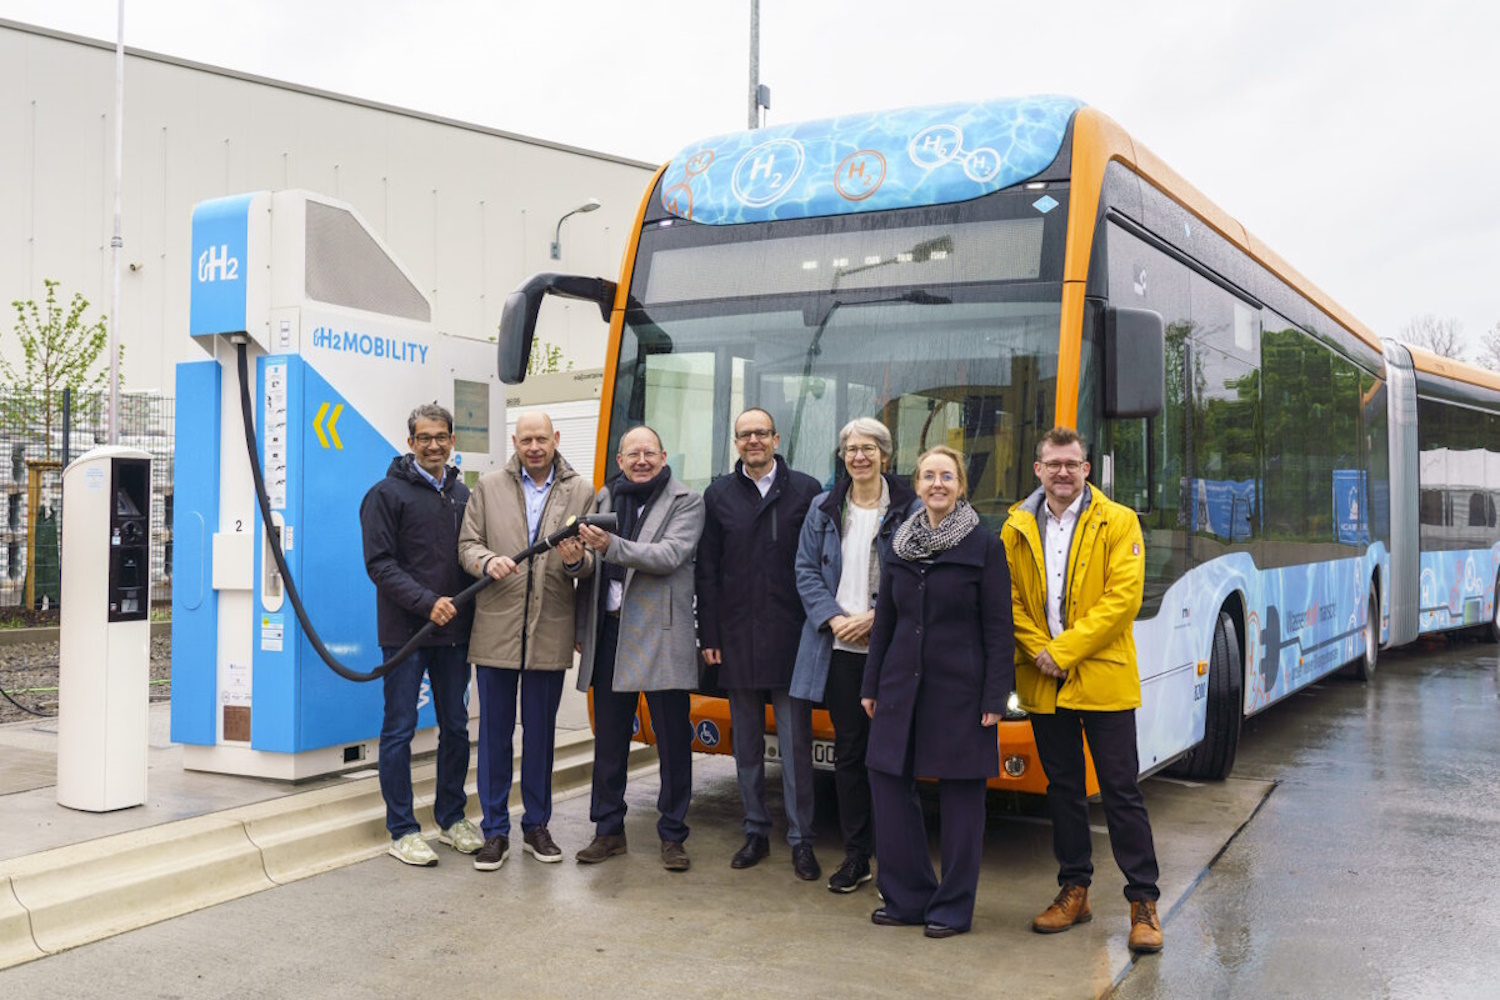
[[411, 552]]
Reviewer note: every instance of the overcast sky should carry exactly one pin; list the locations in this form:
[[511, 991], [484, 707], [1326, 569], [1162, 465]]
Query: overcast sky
[[1358, 139]]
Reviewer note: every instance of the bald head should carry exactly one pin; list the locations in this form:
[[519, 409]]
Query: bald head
[[536, 443]]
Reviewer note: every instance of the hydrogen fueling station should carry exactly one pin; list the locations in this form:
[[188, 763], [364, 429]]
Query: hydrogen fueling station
[[338, 345]]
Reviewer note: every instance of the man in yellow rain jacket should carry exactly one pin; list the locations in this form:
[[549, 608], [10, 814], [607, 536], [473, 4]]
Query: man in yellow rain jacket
[[1077, 569]]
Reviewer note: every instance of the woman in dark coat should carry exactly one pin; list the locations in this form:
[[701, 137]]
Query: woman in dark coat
[[940, 668]]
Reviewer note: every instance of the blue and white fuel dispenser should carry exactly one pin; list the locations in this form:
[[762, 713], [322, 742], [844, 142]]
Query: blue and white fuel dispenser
[[341, 347]]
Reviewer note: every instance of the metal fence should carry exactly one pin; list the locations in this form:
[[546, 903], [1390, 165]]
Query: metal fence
[[33, 449]]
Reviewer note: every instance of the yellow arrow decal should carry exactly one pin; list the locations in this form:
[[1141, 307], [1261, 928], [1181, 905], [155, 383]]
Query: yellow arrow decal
[[333, 420], [318, 424]]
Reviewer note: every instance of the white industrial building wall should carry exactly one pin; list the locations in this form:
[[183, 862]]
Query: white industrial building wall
[[469, 211]]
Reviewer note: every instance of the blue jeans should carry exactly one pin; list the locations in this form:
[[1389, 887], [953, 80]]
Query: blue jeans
[[541, 691], [447, 667]]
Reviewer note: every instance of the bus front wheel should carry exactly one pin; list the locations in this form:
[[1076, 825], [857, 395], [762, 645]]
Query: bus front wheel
[[1364, 667], [1213, 759]]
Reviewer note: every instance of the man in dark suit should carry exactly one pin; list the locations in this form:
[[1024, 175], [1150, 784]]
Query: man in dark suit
[[749, 623]]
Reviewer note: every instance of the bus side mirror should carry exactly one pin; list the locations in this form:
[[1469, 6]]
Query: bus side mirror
[[1134, 362], [518, 317]]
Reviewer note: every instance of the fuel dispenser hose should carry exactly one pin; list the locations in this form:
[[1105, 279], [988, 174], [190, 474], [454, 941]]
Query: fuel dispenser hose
[[605, 521]]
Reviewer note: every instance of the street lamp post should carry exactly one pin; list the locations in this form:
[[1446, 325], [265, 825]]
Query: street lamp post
[[587, 206]]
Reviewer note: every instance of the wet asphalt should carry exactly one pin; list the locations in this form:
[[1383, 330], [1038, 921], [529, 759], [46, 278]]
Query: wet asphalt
[[1373, 869], [1354, 853]]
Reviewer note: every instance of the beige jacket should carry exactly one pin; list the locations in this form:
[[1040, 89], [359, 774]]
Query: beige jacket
[[539, 601]]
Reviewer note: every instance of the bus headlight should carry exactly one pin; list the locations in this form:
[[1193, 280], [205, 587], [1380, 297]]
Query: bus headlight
[[1015, 765], [1013, 710]]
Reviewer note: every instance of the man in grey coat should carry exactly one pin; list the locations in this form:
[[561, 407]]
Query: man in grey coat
[[637, 637]]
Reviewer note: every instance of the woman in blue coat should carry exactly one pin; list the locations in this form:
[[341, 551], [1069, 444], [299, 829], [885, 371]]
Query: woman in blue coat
[[843, 542], [940, 668]]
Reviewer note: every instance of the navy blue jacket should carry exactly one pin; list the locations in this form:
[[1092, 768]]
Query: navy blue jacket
[[942, 652], [411, 553], [746, 577]]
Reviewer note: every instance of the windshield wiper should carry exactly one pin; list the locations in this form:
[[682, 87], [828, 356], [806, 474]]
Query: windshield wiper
[[916, 296]]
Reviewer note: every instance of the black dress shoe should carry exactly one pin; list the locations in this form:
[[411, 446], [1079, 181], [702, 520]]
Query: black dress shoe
[[883, 919], [805, 863], [935, 930], [756, 847]]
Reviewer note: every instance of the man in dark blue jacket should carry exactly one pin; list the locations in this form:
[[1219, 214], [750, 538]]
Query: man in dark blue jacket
[[749, 621], [410, 520]]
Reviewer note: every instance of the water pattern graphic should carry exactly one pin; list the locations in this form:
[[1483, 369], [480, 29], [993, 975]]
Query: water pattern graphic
[[867, 162]]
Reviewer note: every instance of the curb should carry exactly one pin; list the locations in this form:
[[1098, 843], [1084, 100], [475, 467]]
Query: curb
[[75, 895]]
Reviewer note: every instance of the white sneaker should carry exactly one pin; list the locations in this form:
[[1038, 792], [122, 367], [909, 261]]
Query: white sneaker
[[462, 837], [413, 850]]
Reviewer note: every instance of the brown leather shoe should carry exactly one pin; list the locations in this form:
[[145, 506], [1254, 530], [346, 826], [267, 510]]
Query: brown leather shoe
[[674, 857], [1070, 907], [601, 848], [1145, 929]]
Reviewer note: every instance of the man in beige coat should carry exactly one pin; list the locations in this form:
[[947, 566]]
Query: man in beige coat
[[523, 628]]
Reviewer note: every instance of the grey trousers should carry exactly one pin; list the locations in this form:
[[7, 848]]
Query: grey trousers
[[747, 726]]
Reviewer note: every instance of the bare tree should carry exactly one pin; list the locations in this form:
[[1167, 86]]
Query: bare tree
[[1442, 336], [1489, 348]]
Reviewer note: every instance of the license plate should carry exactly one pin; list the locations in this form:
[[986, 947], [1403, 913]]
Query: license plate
[[822, 752]]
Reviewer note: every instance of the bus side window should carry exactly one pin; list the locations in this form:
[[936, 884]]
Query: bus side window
[[1129, 465]]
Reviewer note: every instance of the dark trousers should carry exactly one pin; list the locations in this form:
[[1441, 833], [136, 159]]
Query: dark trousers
[[747, 725], [851, 734], [541, 692], [447, 669], [1111, 736], [912, 891], [614, 715]]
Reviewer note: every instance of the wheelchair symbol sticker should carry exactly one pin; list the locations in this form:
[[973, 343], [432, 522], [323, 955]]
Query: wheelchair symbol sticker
[[707, 733]]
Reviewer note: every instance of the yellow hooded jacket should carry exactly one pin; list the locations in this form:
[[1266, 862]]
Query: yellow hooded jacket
[[1102, 594]]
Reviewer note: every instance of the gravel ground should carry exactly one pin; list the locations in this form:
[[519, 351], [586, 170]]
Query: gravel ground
[[28, 673]]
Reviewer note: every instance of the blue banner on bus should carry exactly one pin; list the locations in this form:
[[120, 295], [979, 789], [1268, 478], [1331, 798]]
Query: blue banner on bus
[[866, 163]]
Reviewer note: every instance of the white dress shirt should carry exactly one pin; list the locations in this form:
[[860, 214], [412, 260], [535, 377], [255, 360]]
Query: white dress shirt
[[1055, 544]]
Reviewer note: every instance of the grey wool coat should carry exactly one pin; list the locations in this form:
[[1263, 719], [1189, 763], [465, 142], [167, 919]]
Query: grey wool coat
[[658, 639]]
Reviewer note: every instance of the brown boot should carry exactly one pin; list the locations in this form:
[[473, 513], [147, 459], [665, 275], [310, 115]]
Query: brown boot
[[1145, 929], [1070, 907]]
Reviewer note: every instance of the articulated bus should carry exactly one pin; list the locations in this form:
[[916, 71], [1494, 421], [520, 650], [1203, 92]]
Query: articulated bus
[[972, 274]]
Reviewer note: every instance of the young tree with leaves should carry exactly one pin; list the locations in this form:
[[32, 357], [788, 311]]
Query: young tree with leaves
[[59, 350]]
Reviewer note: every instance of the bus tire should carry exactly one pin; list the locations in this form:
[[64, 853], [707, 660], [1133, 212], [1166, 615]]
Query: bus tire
[[1364, 667], [1213, 759], [1492, 634]]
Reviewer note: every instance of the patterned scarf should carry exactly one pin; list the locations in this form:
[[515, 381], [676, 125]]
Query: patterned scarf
[[916, 539]]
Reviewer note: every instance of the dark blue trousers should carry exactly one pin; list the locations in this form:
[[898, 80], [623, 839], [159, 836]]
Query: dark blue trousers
[[614, 718], [447, 668], [1111, 736], [541, 691], [912, 890]]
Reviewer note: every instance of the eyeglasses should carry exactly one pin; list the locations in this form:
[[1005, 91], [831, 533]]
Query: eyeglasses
[[931, 476], [1056, 467], [758, 433], [868, 450], [424, 440], [637, 456]]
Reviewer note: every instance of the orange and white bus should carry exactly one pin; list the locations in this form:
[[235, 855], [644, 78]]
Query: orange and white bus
[[972, 274]]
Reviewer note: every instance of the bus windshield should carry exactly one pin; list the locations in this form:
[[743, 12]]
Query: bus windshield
[[970, 363]]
